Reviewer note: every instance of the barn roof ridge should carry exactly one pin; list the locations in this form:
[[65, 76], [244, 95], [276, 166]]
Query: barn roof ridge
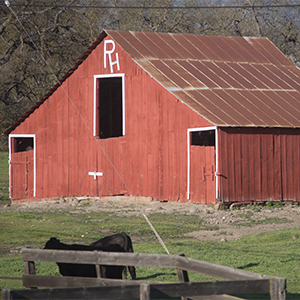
[[229, 81]]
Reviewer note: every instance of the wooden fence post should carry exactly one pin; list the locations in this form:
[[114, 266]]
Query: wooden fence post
[[278, 289], [5, 294], [29, 269], [145, 291], [98, 269], [182, 276]]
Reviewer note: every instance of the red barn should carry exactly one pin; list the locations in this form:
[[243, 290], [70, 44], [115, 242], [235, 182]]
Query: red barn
[[175, 117]]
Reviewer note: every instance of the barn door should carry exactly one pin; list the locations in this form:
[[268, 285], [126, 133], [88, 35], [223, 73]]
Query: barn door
[[202, 167], [21, 168]]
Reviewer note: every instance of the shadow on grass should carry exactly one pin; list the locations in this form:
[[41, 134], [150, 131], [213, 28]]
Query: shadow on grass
[[248, 266]]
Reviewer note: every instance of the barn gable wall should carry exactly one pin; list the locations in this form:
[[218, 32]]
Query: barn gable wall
[[259, 164], [151, 159]]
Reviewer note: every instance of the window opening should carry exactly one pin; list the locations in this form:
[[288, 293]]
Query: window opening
[[110, 110], [203, 138], [23, 144]]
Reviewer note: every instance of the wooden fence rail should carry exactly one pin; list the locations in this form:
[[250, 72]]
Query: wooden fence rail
[[237, 281]]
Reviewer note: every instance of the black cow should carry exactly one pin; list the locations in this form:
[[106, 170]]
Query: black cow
[[121, 239], [85, 270]]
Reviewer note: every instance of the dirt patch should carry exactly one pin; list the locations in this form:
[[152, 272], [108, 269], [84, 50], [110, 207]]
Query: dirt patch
[[232, 223]]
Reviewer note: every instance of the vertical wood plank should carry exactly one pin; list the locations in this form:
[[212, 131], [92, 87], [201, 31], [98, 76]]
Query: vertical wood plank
[[277, 167], [255, 157], [278, 289], [29, 269], [224, 170], [237, 165], [145, 291], [182, 276], [6, 294], [290, 165], [55, 141], [144, 140], [211, 180], [284, 165]]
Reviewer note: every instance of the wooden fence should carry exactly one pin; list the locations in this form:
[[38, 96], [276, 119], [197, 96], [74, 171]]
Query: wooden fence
[[56, 287]]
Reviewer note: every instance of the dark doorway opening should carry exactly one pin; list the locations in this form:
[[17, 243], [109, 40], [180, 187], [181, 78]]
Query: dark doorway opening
[[22, 144], [110, 107], [203, 138]]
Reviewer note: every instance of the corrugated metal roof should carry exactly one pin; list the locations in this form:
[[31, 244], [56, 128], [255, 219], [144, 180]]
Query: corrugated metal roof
[[230, 81]]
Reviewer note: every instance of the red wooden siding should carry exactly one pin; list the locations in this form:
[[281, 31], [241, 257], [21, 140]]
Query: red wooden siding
[[150, 160], [22, 174], [203, 182], [259, 164]]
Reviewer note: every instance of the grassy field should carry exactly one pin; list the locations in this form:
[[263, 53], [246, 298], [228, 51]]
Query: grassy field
[[4, 180], [275, 254]]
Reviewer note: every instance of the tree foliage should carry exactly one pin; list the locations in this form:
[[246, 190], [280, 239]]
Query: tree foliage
[[43, 38]]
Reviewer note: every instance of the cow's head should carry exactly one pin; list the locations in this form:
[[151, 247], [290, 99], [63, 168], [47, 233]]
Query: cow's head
[[53, 243]]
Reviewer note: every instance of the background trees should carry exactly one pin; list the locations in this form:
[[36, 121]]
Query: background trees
[[62, 30]]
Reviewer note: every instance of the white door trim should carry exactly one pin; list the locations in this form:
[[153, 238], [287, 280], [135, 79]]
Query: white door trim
[[10, 136], [122, 75]]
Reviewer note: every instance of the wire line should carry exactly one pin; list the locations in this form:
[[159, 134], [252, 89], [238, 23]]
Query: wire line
[[43, 5]]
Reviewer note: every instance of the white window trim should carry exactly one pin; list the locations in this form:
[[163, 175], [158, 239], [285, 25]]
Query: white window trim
[[189, 157], [10, 137], [95, 99]]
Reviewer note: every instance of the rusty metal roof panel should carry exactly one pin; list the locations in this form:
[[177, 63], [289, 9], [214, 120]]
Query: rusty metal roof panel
[[251, 75], [129, 43], [218, 80], [274, 108], [225, 45], [239, 52], [283, 76], [201, 108], [229, 81], [171, 74], [271, 53], [232, 70], [259, 108], [244, 115], [291, 71], [263, 78], [157, 50], [203, 49], [291, 98], [249, 52], [189, 67], [214, 47], [193, 82], [191, 50], [271, 79], [167, 43], [253, 112], [160, 76], [286, 109], [210, 101], [132, 42], [236, 79], [217, 68]]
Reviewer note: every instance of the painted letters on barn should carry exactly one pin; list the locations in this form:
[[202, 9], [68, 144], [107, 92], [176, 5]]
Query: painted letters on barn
[[171, 116]]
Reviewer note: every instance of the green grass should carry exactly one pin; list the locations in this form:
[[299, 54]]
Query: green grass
[[250, 222], [275, 253], [4, 178], [35, 227]]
